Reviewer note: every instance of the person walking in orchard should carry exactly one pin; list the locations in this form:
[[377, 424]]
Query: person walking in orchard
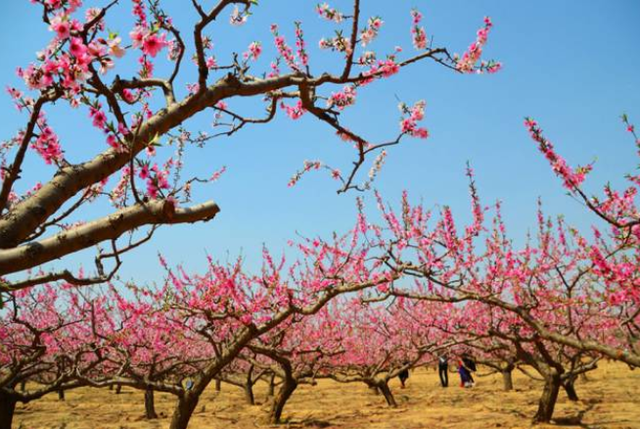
[[443, 370]]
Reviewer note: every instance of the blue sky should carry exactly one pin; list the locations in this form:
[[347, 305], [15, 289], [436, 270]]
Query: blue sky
[[572, 65]]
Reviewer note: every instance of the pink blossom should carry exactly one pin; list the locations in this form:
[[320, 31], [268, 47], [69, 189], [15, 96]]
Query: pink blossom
[[370, 32], [419, 36], [99, 118], [467, 64], [60, 24], [114, 47], [138, 34], [254, 51], [294, 112], [572, 178], [344, 98], [113, 141], [211, 62], [47, 146], [152, 44], [326, 12], [408, 125], [77, 48]]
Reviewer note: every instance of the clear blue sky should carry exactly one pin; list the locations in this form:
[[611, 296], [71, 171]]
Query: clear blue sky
[[572, 65]]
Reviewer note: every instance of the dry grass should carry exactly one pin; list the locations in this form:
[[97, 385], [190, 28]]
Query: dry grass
[[609, 399]]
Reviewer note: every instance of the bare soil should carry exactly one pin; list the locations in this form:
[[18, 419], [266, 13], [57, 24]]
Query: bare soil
[[610, 398]]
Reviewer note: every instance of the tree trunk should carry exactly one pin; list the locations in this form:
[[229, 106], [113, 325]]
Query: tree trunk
[[183, 411], [272, 386], [149, 404], [218, 384], [23, 386], [548, 399], [118, 389], [507, 379], [248, 393], [285, 391], [569, 387], [386, 392], [7, 408], [61, 395]]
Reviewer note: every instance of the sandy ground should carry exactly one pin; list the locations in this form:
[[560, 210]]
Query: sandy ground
[[608, 399]]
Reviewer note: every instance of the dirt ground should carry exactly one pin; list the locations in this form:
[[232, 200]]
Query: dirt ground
[[608, 399]]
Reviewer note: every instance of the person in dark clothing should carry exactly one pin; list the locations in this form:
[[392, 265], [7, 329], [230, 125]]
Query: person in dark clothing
[[465, 376], [403, 376], [467, 366], [443, 370], [470, 364]]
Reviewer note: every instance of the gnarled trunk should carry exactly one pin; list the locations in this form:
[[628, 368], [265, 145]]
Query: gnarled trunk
[[289, 385], [383, 387], [7, 408], [569, 387], [548, 399], [149, 404], [183, 411], [507, 379]]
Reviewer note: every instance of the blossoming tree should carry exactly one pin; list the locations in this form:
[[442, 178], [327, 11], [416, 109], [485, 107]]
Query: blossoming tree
[[42, 347], [140, 113]]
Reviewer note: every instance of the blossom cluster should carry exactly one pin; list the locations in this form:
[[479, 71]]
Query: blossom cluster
[[344, 98], [467, 64], [328, 13], [338, 43], [149, 42], [571, 178], [283, 49], [371, 31], [418, 35], [253, 51], [308, 166], [409, 124], [295, 111]]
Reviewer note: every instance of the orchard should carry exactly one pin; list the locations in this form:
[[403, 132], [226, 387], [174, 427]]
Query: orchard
[[221, 213]]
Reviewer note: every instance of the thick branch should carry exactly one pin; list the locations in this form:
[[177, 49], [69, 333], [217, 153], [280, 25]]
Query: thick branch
[[113, 226]]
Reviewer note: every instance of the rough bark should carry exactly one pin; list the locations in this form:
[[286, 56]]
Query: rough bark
[[548, 400], [149, 404], [383, 387], [183, 411], [289, 385], [154, 212], [570, 389], [7, 409]]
